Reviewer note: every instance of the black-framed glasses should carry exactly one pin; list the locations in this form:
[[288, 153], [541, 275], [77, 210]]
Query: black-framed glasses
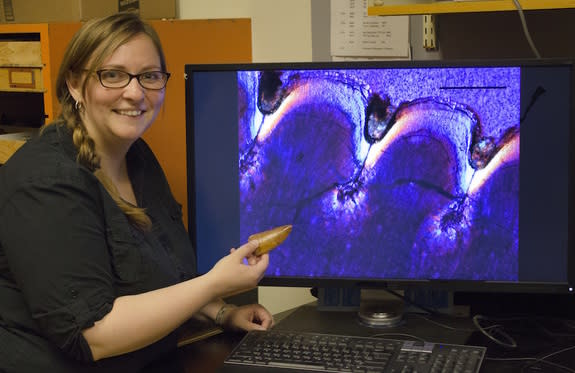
[[154, 80]]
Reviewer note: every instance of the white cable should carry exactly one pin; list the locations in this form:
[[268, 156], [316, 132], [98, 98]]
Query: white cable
[[525, 29], [489, 332]]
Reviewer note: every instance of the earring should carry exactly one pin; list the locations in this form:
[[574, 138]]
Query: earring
[[78, 105]]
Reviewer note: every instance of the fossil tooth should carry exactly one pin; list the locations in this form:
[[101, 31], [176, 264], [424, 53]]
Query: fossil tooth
[[270, 239]]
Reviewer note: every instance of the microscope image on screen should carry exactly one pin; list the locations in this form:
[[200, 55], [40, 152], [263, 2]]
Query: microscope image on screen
[[383, 173]]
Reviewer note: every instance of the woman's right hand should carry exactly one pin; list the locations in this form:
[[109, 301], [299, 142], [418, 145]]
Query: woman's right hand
[[239, 271]]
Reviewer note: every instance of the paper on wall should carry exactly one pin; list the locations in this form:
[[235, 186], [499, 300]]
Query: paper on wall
[[354, 33]]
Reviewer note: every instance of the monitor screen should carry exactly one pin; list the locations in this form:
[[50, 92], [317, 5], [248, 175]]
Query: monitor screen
[[444, 173]]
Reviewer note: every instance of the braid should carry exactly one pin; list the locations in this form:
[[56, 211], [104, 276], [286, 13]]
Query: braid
[[85, 146], [136, 215], [87, 157]]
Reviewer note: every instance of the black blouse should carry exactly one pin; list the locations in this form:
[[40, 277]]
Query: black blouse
[[67, 251]]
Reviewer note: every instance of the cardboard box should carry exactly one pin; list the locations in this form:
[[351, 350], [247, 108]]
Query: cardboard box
[[21, 66], [20, 53], [41, 11], [21, 79], [149, 9]]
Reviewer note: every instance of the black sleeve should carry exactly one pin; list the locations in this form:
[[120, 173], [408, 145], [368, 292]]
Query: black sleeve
[[54, 236]]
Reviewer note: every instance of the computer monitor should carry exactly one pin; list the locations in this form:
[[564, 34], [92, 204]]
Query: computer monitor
[[448, 174]]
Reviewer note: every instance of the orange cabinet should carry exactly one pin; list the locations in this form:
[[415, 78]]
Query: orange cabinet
[[186, 42], [30, 55]]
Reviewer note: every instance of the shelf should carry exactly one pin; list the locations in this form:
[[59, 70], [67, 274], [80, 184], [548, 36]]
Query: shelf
[[11, 142], [39, 49], [466, 6]]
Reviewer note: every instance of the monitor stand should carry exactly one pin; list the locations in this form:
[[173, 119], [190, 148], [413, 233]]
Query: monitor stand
[[380, 310]]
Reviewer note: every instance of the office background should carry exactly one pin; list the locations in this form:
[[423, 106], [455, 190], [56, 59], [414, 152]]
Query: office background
[[299, 30]]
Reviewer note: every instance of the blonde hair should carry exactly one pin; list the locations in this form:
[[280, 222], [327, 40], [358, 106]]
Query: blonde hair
[[89, 48]]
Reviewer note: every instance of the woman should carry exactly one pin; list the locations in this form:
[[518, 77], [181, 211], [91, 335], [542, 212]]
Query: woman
[[96, 268]]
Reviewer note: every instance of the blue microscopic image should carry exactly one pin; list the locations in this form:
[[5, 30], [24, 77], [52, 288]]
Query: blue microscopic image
[[384, 173]]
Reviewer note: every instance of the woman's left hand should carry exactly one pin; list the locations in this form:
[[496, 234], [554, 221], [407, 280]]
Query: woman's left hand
[[248, 317]]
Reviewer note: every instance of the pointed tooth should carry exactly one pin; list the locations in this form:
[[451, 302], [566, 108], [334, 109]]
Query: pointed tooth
[[270, 239]]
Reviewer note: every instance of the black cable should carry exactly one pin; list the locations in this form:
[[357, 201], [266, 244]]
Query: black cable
[[544, 360], [530, 362], [402, 335], [415, 304], [534, 97], [445, 326]]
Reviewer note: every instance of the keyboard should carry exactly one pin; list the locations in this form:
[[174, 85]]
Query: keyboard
[[288, 351]]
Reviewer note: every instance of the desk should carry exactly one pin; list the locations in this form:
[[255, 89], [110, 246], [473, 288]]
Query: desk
[[207, 355]]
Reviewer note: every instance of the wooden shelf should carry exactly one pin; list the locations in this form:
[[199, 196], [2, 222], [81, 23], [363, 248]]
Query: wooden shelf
[[10, 142], [54, 38], [466, 6]]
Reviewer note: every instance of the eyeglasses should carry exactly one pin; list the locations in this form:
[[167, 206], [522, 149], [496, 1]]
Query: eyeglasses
[[154, 80]]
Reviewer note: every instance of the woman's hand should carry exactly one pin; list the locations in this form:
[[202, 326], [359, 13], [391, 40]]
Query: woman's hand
[[248, 317], [239, 271]]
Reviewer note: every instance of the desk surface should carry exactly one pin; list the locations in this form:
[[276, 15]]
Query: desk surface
[[208, 355]]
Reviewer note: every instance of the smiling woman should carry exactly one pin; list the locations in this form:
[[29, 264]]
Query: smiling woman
[[113, 274]]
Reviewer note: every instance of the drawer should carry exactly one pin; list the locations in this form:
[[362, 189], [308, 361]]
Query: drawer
[[21, 79], [20, 53]]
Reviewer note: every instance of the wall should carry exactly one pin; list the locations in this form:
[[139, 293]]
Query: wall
[[281, 30], [500, 34]]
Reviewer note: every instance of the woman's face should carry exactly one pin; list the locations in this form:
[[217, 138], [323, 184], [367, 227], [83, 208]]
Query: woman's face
[[119, 116]]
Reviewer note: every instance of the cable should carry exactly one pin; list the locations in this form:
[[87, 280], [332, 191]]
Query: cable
[[534, 97], [508, 341], [525, 29], [544, 359], [402, 335], [415, 304], [448, 327], [531, 361], [490, 332], [565, 324]]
